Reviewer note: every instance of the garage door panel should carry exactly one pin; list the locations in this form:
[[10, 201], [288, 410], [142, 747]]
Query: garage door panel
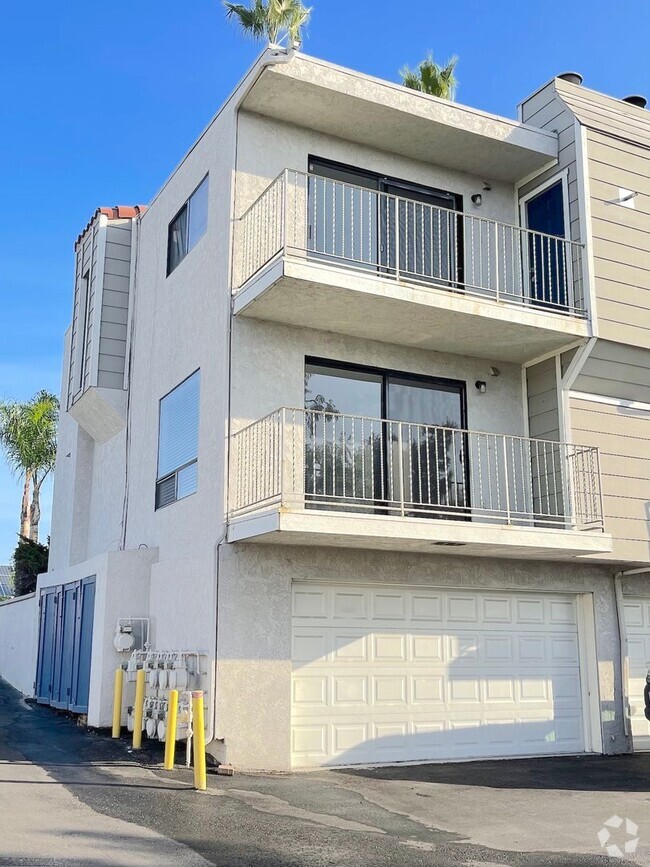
[[637, 622], [402, 686]]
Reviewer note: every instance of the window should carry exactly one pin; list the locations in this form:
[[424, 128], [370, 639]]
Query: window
[[356, 418], [188, 226], [383, 224], [178, 442]]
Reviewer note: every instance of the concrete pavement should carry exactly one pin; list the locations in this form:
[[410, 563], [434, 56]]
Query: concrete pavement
[[71, 797]]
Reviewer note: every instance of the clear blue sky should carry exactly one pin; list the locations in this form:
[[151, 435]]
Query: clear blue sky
[[100, 100]]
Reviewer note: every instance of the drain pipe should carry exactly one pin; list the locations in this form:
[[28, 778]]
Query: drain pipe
[[622, 633], [272, 56]]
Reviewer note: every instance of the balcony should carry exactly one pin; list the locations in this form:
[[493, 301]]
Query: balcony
[[319, 253], [313, 477]]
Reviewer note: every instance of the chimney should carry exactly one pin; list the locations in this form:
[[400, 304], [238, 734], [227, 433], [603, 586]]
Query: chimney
[[635, 99], [571, 77]]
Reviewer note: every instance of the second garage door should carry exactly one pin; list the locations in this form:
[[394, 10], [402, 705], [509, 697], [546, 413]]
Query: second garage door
[[390, 674], [637, 624]]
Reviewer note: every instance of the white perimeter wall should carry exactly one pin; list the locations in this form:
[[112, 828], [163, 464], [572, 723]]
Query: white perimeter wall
[[18, 642]]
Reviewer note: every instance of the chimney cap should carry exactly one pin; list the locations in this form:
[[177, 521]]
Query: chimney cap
[[571, 77], [636, 99]]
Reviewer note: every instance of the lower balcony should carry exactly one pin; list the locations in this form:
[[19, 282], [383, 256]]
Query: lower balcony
[[315, 477]]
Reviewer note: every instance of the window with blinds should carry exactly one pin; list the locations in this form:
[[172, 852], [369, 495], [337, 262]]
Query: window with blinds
[[178, 442], [188, 226]]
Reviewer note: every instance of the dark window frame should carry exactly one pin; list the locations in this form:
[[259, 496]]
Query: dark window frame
[[382, 184], [160, 480], [184, 210], [454, 386]]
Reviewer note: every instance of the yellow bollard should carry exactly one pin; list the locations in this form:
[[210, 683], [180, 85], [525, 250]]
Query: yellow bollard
[[117, 702], [170, 734], [138, 709], [198, 728]]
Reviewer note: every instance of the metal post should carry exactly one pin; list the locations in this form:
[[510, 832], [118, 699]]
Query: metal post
[[497, 273], [170, 734], [400, 466], [138, 709], [200, 775], [506, 478], [117, 702], [397, 239]]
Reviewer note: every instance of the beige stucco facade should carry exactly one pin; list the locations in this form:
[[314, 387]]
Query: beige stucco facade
[[209, 587]]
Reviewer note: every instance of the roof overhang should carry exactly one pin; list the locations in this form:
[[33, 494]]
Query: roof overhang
[[387, 116]]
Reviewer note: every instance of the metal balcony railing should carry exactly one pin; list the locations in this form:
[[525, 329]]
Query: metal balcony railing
[[319, 219], [323, 460]]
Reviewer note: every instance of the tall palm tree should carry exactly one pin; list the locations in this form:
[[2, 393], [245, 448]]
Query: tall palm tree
[[432, 78], [28, 437], [270, 20]]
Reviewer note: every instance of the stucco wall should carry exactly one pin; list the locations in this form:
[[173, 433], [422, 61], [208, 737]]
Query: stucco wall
[[269, 365], [254, 669], [289, 146], [18, 642]]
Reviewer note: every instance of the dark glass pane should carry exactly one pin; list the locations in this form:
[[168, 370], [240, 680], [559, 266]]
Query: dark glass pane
[[177, 241], [547, 257], [342, 449]]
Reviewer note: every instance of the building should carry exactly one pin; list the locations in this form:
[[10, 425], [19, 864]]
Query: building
[[6, 581], [359, 409]]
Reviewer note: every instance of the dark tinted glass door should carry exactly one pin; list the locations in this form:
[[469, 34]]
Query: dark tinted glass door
[[433, 447], [421, 233], [343, 220], [547, 257], [415, 455], [343, 434]]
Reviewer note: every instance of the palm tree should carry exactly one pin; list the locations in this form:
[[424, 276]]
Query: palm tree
[[28, 436], [432, 78], [270, 20]]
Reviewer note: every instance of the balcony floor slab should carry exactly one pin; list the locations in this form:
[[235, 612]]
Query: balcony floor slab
[[308, 294], [395, 533]]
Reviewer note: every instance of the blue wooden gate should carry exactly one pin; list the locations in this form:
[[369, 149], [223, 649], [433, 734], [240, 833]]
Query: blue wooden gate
[[64, 645]]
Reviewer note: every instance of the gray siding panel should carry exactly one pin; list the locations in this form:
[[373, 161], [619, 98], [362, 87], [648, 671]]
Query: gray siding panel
[[623, 437], [543, 414]]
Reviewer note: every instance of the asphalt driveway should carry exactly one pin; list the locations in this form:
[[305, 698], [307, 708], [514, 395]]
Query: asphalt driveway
[[72, 797]]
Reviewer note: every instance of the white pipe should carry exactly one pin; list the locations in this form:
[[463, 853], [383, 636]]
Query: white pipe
[[625, 664]]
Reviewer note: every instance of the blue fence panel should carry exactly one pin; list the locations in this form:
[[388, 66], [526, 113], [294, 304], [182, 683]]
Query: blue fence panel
[[83, 644], [46, 645], [65, 645]]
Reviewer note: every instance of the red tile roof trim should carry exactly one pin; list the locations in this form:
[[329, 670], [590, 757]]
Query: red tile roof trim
[[117, 212]]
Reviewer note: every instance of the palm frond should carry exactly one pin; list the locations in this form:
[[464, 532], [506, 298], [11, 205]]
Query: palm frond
[[432, 78]]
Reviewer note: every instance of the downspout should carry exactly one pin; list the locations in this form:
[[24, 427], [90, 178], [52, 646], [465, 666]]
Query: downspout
[[274, 55], [622, 633]]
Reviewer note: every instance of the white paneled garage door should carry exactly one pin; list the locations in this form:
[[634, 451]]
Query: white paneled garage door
[[389, 674], [637, 624]]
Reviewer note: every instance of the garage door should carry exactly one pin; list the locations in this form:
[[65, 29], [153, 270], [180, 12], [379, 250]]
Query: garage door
[[637, 623], [387, 674]]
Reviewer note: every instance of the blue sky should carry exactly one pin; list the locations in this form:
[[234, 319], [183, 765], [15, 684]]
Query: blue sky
[[101, 100]]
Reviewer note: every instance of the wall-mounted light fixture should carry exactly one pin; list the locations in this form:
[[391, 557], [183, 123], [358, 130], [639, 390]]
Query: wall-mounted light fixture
[[477, 199], [481, 386], [494, 371]]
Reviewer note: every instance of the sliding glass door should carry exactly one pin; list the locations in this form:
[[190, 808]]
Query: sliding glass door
[[380, 224], [375, 440]]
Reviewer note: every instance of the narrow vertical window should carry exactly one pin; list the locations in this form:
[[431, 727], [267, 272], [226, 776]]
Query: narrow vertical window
[[178, 442], [85, 312], [188, 226]]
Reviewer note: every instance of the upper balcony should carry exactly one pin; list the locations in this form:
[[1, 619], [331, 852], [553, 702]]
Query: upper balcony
[[319, 477], [320, 253]]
